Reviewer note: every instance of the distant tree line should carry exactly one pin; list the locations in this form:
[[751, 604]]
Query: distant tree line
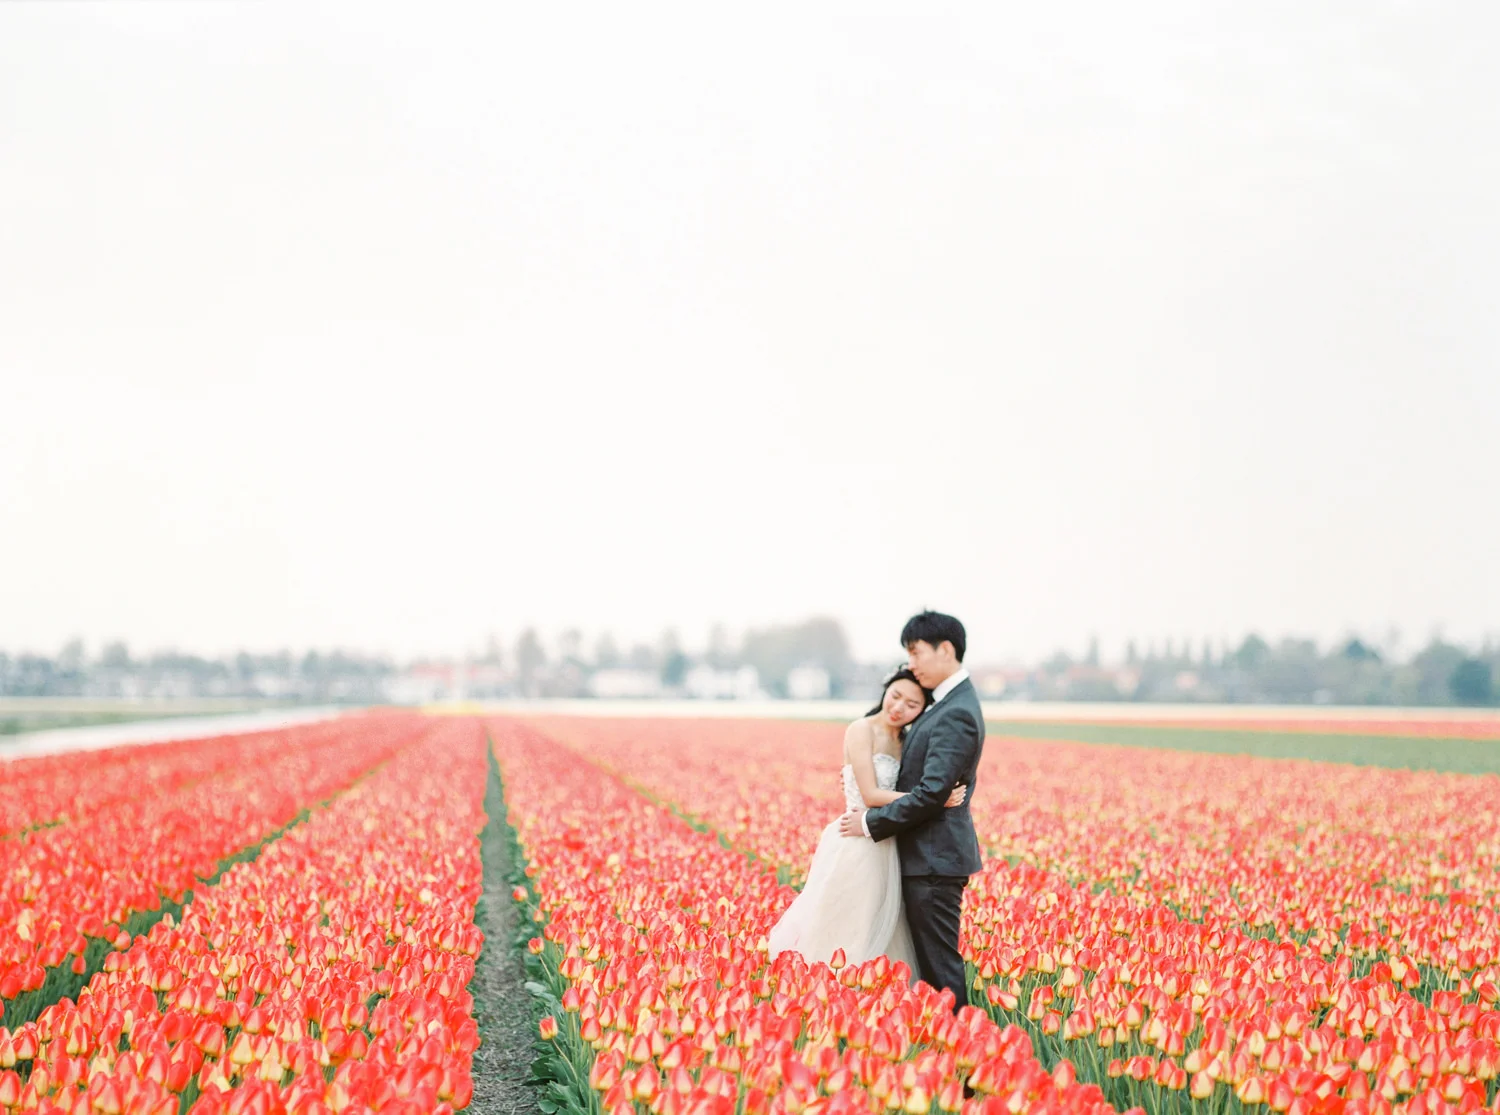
[[1290, 671], [311, 677], [774, 652]]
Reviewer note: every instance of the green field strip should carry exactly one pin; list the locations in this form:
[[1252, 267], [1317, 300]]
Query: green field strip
[[20, 834], [1439, 753]]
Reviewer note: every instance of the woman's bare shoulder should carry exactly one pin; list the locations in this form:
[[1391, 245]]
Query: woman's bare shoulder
[[859, 731]]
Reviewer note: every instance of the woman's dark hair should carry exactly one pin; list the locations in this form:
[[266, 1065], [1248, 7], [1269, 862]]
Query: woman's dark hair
[[934, 628], [902, 674]]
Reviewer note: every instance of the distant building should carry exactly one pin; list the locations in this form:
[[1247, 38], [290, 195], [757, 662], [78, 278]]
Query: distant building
[[422, 683], [414, 688], [808, 683], [709, 684], [620, 683], [272, 685], [1001, 681], [485, 679]]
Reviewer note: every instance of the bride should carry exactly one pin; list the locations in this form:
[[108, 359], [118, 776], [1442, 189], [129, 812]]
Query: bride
[[852, 897]]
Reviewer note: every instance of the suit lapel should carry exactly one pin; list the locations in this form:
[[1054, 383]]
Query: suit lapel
[[916, 742]]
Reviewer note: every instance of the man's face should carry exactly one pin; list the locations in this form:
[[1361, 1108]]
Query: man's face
[[931, 663]]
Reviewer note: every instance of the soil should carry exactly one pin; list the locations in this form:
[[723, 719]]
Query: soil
[[507, 1028]]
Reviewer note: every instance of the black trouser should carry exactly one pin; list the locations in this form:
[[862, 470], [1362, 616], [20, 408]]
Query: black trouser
[[933, 906]]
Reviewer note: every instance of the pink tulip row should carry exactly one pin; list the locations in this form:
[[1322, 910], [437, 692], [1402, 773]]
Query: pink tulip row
[[64, 885], [49, 789]]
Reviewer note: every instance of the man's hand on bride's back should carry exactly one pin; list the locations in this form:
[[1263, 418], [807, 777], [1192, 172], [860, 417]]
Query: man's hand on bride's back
[[956, 798]]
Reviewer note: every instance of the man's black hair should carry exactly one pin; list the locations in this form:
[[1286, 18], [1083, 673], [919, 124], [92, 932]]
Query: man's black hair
[[933, 628]]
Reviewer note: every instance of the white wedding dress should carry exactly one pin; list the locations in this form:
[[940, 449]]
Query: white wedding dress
[[852, 897]]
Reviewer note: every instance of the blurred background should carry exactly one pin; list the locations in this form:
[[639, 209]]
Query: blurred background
[[362, 353]]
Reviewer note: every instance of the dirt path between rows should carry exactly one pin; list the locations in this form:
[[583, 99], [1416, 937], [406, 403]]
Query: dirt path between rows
[[502, 1064]]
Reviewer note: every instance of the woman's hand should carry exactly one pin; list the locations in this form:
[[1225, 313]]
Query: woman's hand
[[956, 798]]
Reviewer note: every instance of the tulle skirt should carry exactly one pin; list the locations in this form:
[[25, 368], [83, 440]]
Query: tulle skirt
[[851, 901]]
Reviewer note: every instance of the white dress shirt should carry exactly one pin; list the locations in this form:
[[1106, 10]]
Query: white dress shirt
[[949, 684], [946, 686]]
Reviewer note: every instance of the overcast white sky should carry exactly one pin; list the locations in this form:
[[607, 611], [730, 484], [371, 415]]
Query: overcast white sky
[[391, 327]]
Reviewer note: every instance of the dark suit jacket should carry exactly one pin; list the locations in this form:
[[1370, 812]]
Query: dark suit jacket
[[942, 749]]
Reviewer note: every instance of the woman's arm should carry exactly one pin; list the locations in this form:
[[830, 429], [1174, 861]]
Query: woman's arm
[[859, 749], [952, 747]]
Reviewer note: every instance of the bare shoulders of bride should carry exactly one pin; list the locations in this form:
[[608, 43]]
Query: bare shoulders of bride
[[864, 733], [861, 732]]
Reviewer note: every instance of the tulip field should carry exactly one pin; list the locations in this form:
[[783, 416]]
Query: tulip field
[[1154, 929], [288, 922]]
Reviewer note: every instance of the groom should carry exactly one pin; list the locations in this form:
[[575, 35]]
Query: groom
[[939, 850]]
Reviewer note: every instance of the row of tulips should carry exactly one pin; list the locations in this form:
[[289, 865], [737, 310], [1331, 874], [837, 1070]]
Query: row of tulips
[[768, 787], [1165, 1003], [327, 976], [65, 886], [1351, 860], [1127, 990], [44, 789], [652, 938], [1390, 866]]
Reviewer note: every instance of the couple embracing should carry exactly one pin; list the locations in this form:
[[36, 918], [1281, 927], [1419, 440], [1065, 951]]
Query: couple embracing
[[889, 875]]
